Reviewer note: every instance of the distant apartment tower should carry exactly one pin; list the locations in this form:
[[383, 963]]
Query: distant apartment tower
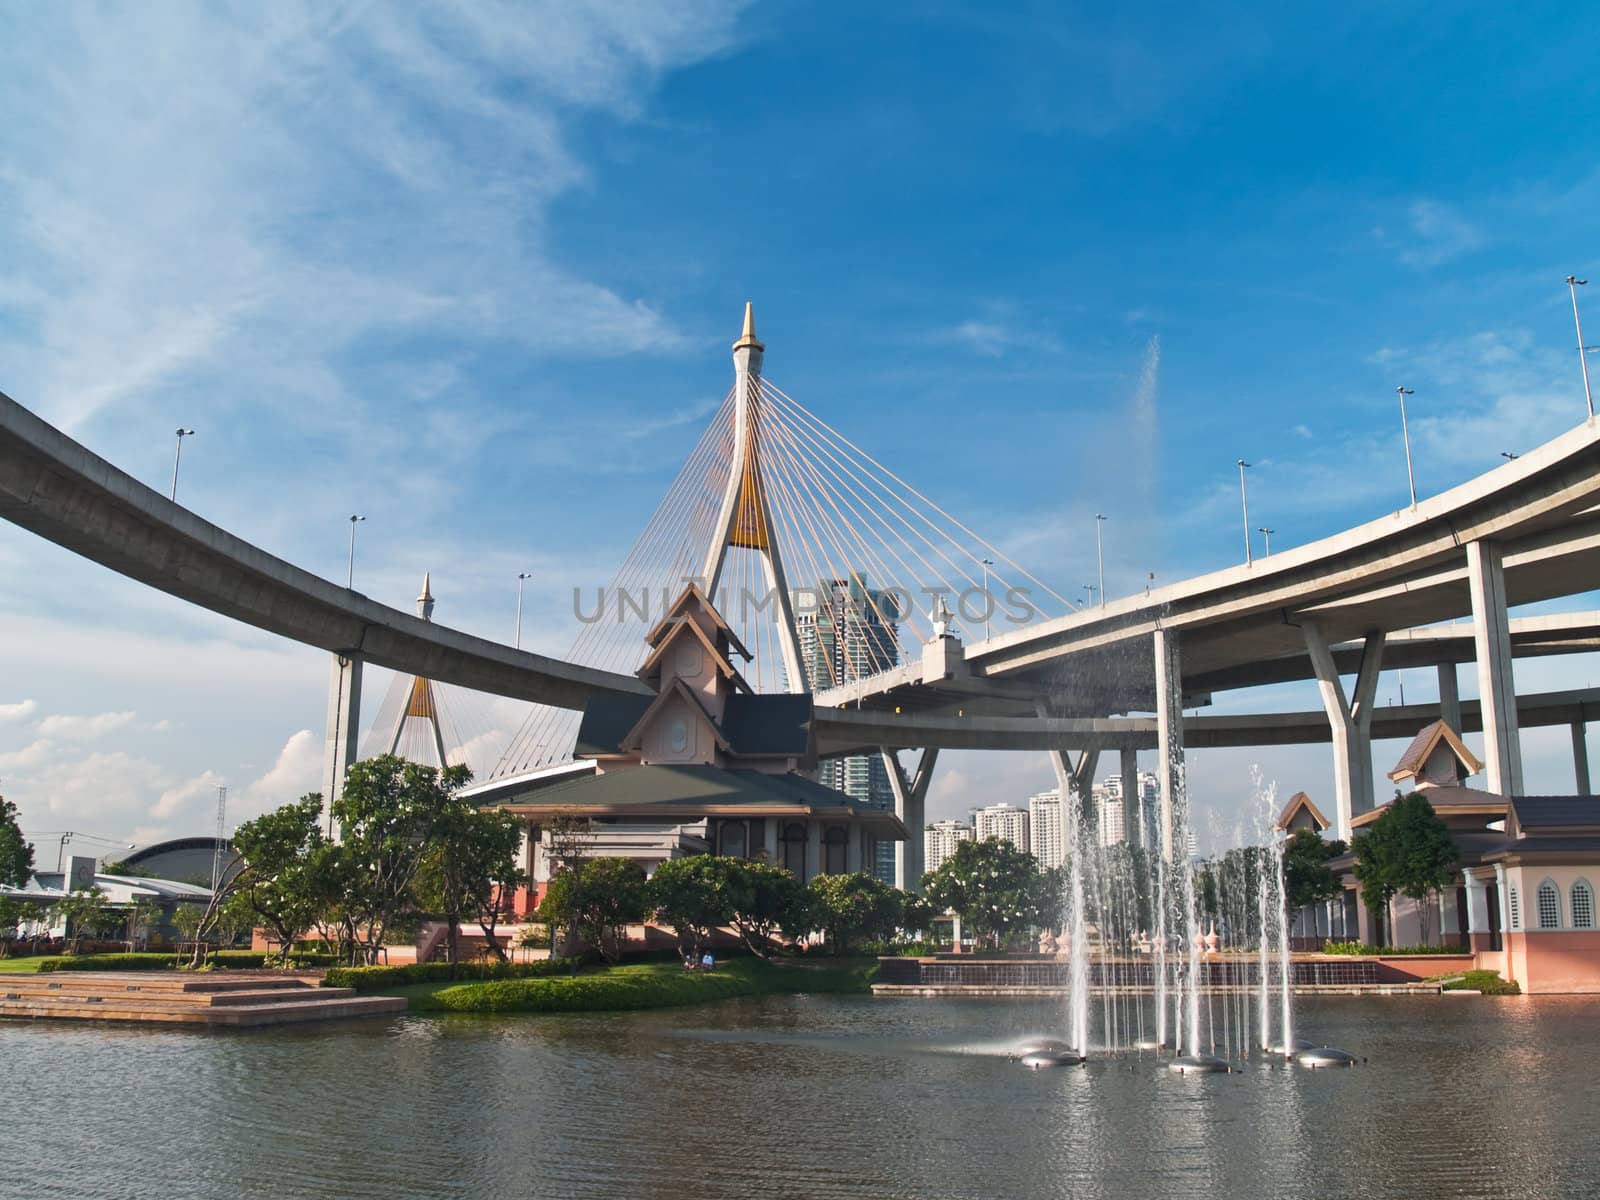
[[1004, 821], [939, 842], [1149, 802], [1108, 808], [1047, 840], [849, 632]]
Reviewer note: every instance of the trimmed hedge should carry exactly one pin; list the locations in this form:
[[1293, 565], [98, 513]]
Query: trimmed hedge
[[237, 960], [627, 988], [1358, 949], [377, 979]]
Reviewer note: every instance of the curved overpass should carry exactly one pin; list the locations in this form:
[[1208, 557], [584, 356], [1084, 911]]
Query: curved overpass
[[58, 489], [1242, 625]]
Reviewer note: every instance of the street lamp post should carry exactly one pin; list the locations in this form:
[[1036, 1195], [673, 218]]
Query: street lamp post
[[1573, 284], [1266, 535], [177, 458], [350, 578], [521, 575], [1099, 556], [987, 563], [1405, 432], [1244, 503]]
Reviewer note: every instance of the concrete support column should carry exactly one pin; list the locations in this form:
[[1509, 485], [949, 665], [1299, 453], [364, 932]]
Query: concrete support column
[[1349, 723], [1491, 635], [911, 806], [813, 850], [769, 838], [1169, 735], [1477, 903], [1132, 801], [1449, 697], [1580, 757], [852, 849], [344, 722], [1505, 908]]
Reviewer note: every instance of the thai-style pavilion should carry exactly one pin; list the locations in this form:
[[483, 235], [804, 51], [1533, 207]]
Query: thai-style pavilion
[[704, 764]]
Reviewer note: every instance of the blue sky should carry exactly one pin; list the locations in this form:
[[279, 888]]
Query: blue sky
[[473, 271]]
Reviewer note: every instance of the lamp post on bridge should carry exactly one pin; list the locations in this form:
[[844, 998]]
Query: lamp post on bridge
[[521, 577], [1266, 535], [178, 458], [987, 563], [1573, 284], [1405, 432], [350, 578], [1244, 503], [1099, 555]]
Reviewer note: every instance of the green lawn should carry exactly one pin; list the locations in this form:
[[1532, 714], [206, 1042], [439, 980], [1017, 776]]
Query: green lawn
[[635, 986], [26, 964]]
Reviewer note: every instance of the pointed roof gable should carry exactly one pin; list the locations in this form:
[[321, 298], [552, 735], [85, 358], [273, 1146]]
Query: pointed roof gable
[[651, 667], [1416, 757], [693, 597], [634, 738], [1297, 803]]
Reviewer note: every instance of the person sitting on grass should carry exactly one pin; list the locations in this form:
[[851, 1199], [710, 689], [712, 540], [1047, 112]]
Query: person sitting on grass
[[708, 963]]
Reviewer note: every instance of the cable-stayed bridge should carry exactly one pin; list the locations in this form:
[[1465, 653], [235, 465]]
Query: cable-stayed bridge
[[845, 579]]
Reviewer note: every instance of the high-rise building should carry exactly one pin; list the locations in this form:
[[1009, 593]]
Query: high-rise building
[[1108, 810], [1004, 821], [1047, 839], [939, 842], [1148, 807], [849, 632]]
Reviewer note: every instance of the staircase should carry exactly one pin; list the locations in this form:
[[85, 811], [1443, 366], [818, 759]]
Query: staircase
[[236, 1000]]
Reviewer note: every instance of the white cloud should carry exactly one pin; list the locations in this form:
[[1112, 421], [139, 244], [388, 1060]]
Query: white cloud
[[76, 728], [295, 772], [187, 799], [20, 711], [1436, 234]]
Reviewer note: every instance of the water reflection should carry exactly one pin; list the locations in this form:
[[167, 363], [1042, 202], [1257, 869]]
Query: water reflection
[[813, 1096]]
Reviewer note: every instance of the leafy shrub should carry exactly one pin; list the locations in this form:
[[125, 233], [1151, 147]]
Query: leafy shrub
[[1487, 982], [620, 989], [377, 979], [236, 960], [1356, 948], [900, 949]]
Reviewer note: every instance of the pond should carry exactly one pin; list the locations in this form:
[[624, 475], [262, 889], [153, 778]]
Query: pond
[[801, 1096]]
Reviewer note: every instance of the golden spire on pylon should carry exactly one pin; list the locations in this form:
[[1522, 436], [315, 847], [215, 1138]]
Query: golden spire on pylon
[[748, 337]]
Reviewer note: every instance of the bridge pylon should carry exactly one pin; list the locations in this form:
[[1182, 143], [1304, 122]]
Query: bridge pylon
[[745, 520]]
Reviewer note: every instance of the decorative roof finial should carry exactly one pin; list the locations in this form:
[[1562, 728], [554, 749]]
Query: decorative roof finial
[[425, 600], [748, 337]]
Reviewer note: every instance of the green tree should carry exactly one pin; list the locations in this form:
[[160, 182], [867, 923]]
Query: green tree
[[1407, 851], [851, 907], [471, 856], [388, 813], [766, 899], [142, 919], [16, 854], [991, 885], [598, 898], [11, 914], [1307, 878], [83, 912], [284, 878], [692, 896], [186, 920]]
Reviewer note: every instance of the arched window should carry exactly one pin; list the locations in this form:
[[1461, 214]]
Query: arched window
[[733, 839], [1549, 901], [793, 849], [1582, 905], [833, 844], [1515, 906]]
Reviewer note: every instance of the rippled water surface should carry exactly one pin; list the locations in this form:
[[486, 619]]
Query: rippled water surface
[[801, 1096]]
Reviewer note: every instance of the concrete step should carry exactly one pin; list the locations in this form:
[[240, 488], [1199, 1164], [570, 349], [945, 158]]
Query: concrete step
[[146, 1009], [156, 982]]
